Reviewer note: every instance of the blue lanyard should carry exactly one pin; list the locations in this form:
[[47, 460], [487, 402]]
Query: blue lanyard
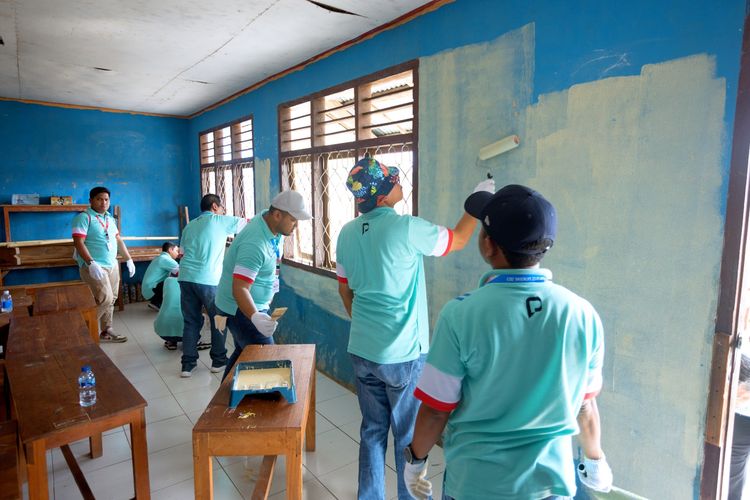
[[518, 278], [275, 245]]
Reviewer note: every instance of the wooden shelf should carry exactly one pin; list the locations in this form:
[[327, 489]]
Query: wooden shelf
[[8, 209]]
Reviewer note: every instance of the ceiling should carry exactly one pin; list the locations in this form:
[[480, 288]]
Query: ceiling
[[171, 57]]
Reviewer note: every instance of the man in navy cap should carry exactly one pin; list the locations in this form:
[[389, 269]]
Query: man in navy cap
[[382, 285], [513, 370]]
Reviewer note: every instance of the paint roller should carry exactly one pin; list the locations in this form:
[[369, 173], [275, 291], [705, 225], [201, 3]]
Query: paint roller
[[498, 148]]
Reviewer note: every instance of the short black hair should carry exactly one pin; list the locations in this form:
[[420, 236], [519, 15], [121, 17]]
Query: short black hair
[[521, 260], [97, 191], [272, 209], [167, 246], [208, 201]]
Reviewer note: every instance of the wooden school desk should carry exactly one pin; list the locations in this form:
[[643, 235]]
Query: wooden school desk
[[69, 298], [260, 426], [45, 355]]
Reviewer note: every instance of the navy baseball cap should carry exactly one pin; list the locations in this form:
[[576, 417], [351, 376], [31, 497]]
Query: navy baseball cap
[[514, 217]]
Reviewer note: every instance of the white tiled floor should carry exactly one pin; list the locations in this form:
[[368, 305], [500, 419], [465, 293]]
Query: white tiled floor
[[175, 404]]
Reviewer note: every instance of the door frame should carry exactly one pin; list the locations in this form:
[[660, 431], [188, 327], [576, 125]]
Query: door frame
[[725, 361]]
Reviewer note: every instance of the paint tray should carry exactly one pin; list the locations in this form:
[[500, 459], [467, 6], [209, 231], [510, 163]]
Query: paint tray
[[262, 377]]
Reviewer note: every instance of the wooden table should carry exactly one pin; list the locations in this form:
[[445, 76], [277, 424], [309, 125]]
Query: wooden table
[[48, 333], [260, 426], [45, 355], [69, 298]]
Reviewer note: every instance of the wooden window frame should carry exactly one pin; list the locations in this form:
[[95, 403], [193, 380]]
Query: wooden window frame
[[321, 262], [235, 164]]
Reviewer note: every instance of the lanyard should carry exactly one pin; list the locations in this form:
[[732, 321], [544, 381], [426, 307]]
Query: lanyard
[[106, 228], [275, 245], [518, 278]]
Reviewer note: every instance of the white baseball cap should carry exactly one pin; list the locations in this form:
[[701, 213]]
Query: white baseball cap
[[292, 202]]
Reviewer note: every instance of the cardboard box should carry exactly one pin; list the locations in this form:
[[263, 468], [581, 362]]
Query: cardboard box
[[60, 200], [24, 199]]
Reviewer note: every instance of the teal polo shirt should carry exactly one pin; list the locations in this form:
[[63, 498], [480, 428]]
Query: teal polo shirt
[[379, 255], [158, 270], [513, 361], [203, 242], [254, 257], [100, 233], [169, 321]]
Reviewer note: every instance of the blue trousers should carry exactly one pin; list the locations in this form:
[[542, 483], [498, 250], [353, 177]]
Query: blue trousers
[[244, 333], [386, 400], [193, 297]]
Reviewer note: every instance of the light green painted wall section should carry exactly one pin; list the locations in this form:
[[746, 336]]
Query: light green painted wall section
[[262, 184], [633, 165]]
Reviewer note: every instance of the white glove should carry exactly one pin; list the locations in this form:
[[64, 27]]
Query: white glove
[[595, 474], [419, 487], [264, 323], [131, 267], [486, 185], [96, 271]]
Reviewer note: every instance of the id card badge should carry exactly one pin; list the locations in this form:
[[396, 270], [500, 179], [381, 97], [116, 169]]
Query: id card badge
[[278, 273]]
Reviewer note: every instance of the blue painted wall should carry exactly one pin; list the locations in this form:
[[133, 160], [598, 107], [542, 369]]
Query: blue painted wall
[[646, 67], [47, 150]]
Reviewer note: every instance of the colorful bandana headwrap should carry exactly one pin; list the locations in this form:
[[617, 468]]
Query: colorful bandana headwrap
[[370, 181]]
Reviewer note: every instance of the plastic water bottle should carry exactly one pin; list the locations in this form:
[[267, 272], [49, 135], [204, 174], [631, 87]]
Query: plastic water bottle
[[86, 387], [6, 302]]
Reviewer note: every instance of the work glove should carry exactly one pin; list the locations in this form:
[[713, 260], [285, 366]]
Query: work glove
[[264, 323], [487, 185], [96, 271], [131, 267], [595, 474], [414, 478]]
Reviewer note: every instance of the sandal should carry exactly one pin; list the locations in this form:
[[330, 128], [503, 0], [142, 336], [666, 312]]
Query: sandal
[[202, 346], [110, 336], [170, 346]]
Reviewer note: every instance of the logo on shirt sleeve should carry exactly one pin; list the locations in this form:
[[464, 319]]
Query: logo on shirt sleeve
[[533, 305]]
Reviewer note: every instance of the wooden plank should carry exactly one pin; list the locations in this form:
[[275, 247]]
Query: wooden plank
[[10, 483], [718, 398], [80, 480], [263, 484], [140, 456], [202, 469]]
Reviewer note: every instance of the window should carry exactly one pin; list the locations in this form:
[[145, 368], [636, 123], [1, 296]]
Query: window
[[226, 154], [322, 136]]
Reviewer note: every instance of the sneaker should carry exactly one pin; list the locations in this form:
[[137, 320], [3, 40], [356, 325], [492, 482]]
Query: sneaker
[[187, 373], [153, 307], [217, 369], [109, 336], [202, 346]]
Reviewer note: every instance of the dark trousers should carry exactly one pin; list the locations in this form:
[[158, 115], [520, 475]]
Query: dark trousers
[[740, 452], [244, 333], [158, 294]]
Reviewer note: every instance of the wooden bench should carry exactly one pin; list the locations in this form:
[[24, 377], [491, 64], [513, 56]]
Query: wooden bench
[[10, 477], [260, 426]]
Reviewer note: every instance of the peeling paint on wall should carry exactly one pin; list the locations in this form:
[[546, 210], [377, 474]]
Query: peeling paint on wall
[[633, 165]]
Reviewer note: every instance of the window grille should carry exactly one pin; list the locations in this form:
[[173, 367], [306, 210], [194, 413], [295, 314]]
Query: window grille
[[323, 135], [227, 166]]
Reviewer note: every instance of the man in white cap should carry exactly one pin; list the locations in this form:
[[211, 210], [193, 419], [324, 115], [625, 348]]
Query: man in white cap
[[250, 276]]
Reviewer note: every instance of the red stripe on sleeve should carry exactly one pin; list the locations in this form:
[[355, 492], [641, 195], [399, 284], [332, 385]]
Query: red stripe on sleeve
[[450, 243], [432, 402], [591, 395], [82, 235], [243, 278], [342, 279]]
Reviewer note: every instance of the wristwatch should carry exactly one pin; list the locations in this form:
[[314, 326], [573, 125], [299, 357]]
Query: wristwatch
[[411, 458]]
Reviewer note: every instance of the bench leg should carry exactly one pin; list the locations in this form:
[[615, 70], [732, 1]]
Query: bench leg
[[202, 470]]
